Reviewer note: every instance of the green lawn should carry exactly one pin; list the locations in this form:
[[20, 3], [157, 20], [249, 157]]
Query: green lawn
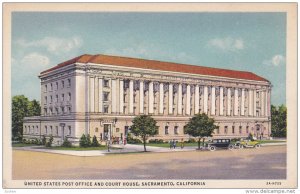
[[270, 141], [77, 148], [22, 145]]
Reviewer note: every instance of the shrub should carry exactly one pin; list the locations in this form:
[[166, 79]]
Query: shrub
[[49, 143], [156, 141], [66, 143], [88, 140], [250, 136], [191, 141], [95, 142], [132, 140], [44, 140]]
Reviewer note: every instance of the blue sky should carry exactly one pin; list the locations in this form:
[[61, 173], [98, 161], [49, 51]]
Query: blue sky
[[253, 42]]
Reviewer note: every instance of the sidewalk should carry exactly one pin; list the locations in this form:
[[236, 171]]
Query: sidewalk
[[128, 148]]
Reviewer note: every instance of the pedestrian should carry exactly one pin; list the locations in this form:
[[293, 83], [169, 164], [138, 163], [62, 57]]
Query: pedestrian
[[171, 144], [182, 143], [174, 143]]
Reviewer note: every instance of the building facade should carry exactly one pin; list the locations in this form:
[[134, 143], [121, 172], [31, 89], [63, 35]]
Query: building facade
[[100, 95]]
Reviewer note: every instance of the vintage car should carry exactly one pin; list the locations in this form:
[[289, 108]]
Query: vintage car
[[220, 144], [247, 143]]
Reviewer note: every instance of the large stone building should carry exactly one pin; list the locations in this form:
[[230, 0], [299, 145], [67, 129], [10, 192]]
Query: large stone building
[[100, 95]]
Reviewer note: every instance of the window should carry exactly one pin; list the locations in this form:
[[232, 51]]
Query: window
[[218, 130], [69, 96], [105, 109], [124, 98], [56, 98], [69, 82], [56, 130], [50, 109], [240, 129], [247, 129], [117, 130], [45, 111], [134, 98], [105, 96], [96, 130], [56, 85], [176, 130], [106, 83], [46, 87], [56, 110], [51, 87], [25, 129], [51, 99], [70, 131], [226, 129], [62, 84], [45, 99], [62, 109], [63, 97], [166, 130], [46, 130], [257, 94], [51, 130], [257, 113], [233, 129], [69, 109], [257, 104]]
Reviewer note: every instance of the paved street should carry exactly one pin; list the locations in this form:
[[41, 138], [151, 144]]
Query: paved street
[[264, 163]]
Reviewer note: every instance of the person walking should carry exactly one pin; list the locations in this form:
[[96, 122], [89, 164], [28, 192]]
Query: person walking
[[174, 143], [171, 144], [182, 143]]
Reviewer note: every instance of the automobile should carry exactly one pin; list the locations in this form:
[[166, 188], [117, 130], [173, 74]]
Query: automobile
[[247, 143], [220, 144]]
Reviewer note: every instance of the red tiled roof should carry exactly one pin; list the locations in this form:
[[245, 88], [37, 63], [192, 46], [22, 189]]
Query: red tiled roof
[[158, 65]]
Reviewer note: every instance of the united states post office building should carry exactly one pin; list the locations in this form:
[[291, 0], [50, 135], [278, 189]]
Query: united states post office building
[[100, 95]]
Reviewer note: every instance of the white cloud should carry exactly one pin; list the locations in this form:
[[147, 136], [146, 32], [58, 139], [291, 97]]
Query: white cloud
[[34, 60], [227, 44], [54, 45], [276, 60]]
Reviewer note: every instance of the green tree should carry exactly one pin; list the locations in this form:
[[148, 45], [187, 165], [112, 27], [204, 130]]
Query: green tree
[[95, 142], [19, 111], [34, 108], [22, 107], [200, 126], [144, 126], [83, 142], [278, 121]]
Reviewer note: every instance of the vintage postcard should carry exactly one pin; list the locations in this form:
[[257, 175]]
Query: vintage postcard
[[150, 95]]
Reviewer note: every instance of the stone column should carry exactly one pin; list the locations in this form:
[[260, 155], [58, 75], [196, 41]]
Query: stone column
[[92, 94], [262, 103], [161, 98], [213, 101], [121, 96], [100, 95], [221, 101], [188, 99], [228, 101], [141, 91], [113, 95], [266, 103], [205, 96], [250, 98], [170, 98], [243, 102], [131, 97], [179, 101], [236, 102], [151, 98], [254, 103], [196, 99]]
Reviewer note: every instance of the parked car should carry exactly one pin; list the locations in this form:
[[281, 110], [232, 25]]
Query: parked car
[[220, 144], [248, 143]]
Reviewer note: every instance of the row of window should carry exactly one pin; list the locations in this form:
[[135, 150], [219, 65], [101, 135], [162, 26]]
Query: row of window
[[57, 110], [55, 86], [48, 130], [56, 98]]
